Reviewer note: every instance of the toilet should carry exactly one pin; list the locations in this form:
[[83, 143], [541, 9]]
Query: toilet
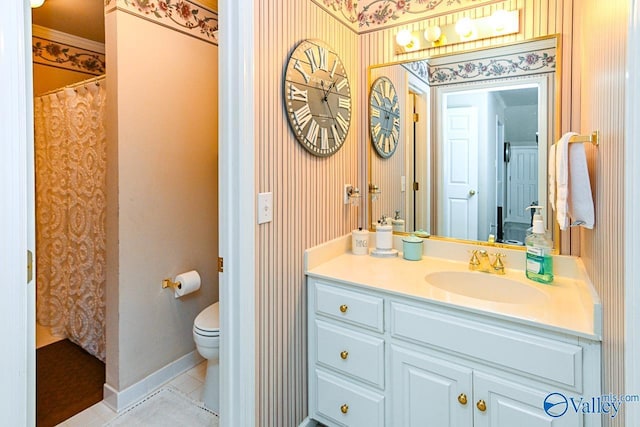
[[206, 334]]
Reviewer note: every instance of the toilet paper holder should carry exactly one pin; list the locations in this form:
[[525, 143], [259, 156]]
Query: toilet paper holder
[[168, 283]]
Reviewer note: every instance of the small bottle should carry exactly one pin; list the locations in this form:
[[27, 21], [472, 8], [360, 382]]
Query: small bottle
[[539, 266]]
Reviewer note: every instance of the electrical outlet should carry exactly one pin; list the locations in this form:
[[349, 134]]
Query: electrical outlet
[[265, 207]]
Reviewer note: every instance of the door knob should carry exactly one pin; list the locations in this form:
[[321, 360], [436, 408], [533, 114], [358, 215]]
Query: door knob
[[344, 354], [481, 405], [472, 192], [344, 408], [344, 308]]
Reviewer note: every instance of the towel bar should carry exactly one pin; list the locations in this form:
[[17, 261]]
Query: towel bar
[[594, 138]]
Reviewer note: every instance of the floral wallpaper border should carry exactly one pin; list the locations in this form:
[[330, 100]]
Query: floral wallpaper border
[[184, 16], [67, 57], [513, 65], [369, 15]]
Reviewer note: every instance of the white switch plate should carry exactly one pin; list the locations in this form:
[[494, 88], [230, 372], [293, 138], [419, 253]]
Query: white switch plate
[[265, 207], [403, 183]]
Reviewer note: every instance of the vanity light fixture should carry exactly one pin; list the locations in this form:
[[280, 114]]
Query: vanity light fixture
[[36, 3], [500, 23]]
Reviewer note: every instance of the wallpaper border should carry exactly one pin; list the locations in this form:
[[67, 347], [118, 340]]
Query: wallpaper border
[[184, 16]]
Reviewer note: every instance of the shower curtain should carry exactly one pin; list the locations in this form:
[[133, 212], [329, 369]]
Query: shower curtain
[[70, 160]]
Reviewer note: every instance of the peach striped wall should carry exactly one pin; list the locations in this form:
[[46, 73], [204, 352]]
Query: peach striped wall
[[602, 95], [308, 204]]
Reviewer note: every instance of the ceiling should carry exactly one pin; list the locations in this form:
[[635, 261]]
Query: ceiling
[[82, 18]]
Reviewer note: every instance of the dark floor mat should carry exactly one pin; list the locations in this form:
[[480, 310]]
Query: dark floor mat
[[68, 380]]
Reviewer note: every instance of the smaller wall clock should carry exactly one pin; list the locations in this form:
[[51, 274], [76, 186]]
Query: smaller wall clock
[[384, 117], [317, 97]]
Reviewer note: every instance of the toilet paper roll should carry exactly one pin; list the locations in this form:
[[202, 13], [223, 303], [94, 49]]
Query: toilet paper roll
[[189, 282]]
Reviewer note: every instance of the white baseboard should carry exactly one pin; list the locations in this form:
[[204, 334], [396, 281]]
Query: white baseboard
[[119, 400], [308, 422]]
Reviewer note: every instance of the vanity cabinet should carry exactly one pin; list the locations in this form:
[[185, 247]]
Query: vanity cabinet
[[378, 358]]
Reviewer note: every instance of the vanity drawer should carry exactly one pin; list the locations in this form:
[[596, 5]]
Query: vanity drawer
[[350, 352], [347, 404], [540, 357], [349, 306]]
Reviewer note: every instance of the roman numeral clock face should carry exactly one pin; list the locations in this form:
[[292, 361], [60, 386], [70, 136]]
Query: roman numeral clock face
[[317, 98], [384, 119]]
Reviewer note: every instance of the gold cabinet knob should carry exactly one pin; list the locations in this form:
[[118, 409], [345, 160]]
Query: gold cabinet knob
[[344, 408], [344, 354], [481, 405], [344, 308], [462, 399]]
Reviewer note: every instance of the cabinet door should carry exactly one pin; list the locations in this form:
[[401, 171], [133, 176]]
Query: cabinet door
[[427, 391], [508, 404]]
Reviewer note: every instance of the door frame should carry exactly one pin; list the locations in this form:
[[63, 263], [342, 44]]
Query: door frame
[[17, 306], [237, 212]]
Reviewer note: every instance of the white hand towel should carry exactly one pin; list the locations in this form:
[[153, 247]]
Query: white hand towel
[[580, 198], [562, 180], [551, 173]]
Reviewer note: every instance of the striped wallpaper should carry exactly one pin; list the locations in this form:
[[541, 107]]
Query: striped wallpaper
[[307, 190], [308, 205], [602, 62]]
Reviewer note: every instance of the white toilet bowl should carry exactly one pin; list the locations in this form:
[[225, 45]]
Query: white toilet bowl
[[206, 334]]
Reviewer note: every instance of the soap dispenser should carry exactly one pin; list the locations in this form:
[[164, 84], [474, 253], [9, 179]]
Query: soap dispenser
[[539, 265], [397, 222]]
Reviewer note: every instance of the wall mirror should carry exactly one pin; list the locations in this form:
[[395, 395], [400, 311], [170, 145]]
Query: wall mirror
[[475, 128]]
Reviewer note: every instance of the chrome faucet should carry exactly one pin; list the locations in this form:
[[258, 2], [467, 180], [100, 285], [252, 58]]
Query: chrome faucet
[[480, 261]]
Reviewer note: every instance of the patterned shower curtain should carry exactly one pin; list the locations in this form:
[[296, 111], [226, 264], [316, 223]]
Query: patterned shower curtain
[[70, 151]]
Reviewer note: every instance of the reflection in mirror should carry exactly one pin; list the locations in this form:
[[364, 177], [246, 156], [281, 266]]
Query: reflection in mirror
[[475, 128]]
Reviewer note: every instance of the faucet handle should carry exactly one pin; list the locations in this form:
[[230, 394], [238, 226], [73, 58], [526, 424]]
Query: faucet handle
[[498, 265], [474, 262]]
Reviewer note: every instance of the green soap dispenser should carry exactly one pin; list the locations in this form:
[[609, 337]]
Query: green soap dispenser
[[539, 266]]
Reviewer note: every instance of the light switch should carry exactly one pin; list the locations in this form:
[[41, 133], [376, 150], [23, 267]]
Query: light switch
[[265, 207]]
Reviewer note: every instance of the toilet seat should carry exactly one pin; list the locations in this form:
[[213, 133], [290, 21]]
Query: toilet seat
[[207, 323]]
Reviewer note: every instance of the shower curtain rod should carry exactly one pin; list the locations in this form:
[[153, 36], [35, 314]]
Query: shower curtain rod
[[75, 85]]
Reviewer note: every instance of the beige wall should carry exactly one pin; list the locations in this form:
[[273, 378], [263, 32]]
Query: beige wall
[[49, 78], [162, 191], [307, 199], [602, 66]]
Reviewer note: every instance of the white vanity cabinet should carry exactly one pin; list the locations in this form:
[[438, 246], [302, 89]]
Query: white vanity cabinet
[[379, 358]]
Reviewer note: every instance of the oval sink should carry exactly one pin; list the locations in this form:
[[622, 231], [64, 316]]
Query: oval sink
[[486, 287]]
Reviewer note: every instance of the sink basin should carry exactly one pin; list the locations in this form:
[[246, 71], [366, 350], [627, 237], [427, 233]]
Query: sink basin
[[487, 287]]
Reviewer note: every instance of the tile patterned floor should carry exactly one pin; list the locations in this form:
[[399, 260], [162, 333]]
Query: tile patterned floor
[[191, 383]]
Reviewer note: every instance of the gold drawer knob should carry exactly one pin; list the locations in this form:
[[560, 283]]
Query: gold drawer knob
[[344, 408], [344, 308], [481, 405], [462, 399], [344, 355]]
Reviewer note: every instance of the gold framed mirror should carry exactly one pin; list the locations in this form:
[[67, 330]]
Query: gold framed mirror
[[472, 156]]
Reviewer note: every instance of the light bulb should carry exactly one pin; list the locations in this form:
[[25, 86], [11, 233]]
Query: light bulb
[[36, 3], [432, 34], [464, 27], [499, 19], [403, 37]]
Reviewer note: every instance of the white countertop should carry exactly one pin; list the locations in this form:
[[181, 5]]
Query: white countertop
[[572, 305]]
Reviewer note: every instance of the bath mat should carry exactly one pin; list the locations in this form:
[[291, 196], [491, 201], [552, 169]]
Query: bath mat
[[68, 381], [166, 407]]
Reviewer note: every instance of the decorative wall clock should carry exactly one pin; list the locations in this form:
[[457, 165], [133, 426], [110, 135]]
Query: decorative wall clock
[[384, 117], [317, 97]]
